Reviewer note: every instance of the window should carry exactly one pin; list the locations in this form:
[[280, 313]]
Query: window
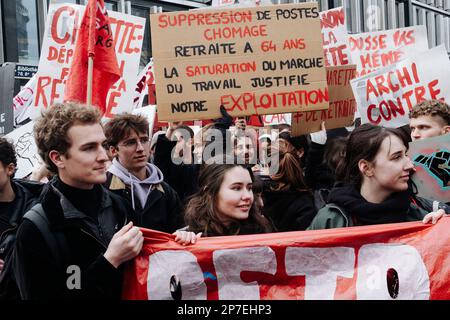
[[21, 31]]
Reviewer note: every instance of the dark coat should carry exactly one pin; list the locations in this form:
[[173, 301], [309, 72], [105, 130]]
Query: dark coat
[[38, 274], [26, 195], [317, 174], [183, 178], [289, 210], [162, 211]]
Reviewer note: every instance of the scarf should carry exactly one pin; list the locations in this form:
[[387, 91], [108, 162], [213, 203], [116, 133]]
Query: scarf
[[140, 189], [394, 209]]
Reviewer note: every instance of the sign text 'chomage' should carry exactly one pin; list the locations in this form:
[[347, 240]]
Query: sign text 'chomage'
[[248, 59]]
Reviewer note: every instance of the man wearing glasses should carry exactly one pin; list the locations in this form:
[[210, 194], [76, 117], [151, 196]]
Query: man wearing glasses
[[156, 205]]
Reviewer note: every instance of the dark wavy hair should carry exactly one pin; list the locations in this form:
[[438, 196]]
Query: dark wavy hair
[[364, 143], [201, 214]]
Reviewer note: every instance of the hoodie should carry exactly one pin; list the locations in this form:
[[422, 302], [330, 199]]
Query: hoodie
[[140, 189]]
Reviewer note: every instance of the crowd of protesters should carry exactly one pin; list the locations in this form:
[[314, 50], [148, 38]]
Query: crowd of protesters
[[106, 181]]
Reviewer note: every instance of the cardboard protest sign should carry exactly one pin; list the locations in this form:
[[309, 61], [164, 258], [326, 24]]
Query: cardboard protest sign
[[26, 150], [263, 60], [62, 24], [373, 50], [6, 97], [335, 37], [384, 97], [342, 104], [274, 119], [145, 85], [381, 262], [23, 101], [431, 158]]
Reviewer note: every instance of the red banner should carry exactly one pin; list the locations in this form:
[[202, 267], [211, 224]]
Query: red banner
[[391, 261]]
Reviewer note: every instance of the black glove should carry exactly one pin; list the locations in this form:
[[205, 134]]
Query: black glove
[[225, 121]]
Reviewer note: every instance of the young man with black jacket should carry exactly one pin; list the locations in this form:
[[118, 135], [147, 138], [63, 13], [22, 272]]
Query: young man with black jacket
[[155, 204], [16, 198], [90, 223]]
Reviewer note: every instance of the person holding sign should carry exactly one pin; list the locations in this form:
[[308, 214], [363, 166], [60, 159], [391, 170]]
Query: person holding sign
[[225, 204], [155, 204], [375, 172], [70, 246], [429, 119]]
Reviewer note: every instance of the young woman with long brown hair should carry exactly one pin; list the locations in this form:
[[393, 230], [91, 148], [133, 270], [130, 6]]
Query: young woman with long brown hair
[[224, 204], [288, 202]]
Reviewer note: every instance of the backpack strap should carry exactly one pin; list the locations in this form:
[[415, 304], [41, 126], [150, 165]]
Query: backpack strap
[[55, 240]]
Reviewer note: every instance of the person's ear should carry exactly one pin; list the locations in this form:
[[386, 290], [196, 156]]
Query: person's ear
[[57, 159], [10, 169], [114, 151], [446, 130], [366, 168]]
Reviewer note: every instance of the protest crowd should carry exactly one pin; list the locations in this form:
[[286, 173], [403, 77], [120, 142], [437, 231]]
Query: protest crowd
[[103, 181]]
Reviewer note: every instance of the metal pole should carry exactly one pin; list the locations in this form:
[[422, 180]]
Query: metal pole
[[89, 80]]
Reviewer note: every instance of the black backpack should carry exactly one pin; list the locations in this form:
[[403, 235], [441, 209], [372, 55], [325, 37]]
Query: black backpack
[[56, 241]]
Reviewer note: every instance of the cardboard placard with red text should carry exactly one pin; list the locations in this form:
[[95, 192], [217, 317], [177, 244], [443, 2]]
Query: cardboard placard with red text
[[63, 21], [335, 37], [385, 97], [342, 104], [263, 60], [402, 261], [373, 50]]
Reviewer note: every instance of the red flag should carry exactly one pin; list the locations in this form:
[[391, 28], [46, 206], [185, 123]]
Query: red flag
[[95, 39]]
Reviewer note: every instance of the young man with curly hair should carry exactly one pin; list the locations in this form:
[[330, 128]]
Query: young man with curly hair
[[89, 223], [429, 119], [155, 204]]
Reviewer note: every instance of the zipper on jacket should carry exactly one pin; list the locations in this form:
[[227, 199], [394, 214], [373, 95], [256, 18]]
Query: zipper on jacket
[[6, 231], [93, 237]]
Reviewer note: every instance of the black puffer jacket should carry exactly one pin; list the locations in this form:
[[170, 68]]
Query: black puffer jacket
[[38, 274]]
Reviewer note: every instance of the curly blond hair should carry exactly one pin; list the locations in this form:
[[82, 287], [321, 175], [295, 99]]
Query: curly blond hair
[[434, 108], [50, 130]]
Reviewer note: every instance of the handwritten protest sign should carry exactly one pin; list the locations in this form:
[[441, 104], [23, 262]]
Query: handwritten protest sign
[[274, 119], [373, 50], [335, 37], [263, 60], [23, 101], [26, 150], [145, 86], [381, 262], [431, 158], [384, 97], [57, 50], [342, 104]]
